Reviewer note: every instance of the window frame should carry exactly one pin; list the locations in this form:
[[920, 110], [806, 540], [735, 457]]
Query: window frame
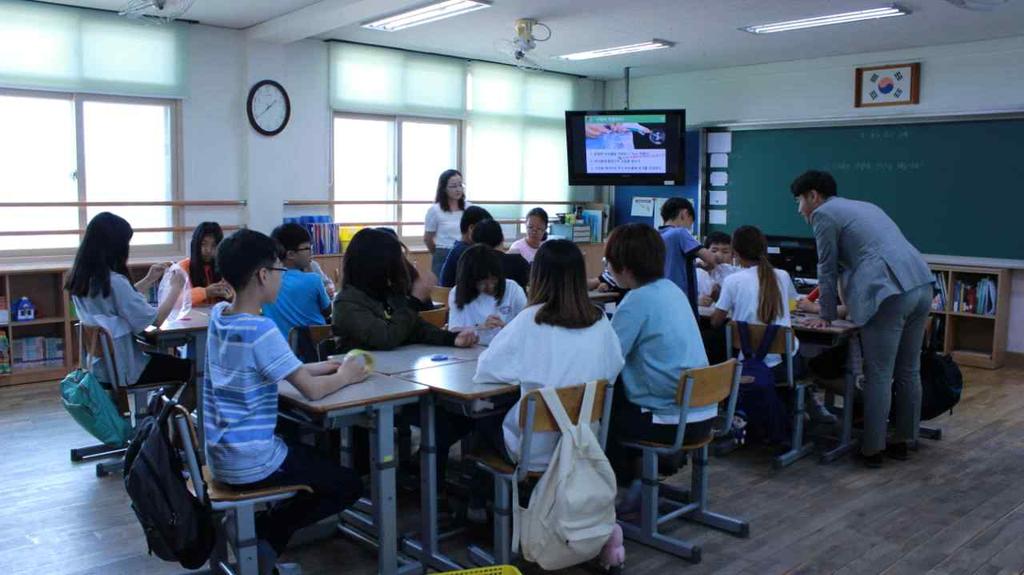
[[78, 100], [397, 120]]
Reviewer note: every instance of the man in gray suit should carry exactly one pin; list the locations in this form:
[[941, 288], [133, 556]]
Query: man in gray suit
[[887, 288]]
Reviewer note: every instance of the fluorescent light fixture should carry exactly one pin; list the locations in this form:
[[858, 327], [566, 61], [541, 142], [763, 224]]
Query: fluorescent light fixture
[[843, 18], [430, 13], [617, 50]]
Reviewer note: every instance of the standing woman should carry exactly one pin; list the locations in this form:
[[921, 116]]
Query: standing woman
[[887, 287], [442, 222], [536, 234]]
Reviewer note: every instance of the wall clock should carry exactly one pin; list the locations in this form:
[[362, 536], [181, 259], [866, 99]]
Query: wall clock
[[268, 107]]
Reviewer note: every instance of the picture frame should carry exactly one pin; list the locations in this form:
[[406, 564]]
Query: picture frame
[[888, 85]]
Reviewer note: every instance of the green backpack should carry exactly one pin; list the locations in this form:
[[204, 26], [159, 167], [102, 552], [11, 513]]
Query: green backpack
[[90, 405]]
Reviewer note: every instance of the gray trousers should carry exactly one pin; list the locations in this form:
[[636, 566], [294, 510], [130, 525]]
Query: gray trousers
[[891, 342]]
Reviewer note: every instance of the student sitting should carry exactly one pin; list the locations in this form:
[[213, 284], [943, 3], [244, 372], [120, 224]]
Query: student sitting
[[302, 300], [760, 294], [560, 340], [483, 300], [536, 234], [681, 249], [720, 246], [372, 310], [422, 301], [247, 357], [329, 286], [660, 340], [207, 285], [517, 269], [103, 295], [470, 218]]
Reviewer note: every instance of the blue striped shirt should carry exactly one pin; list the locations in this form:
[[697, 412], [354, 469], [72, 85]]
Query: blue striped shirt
[[246, 356]]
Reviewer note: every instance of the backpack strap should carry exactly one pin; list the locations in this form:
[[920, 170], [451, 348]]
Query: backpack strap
[[587, 407], [554, 404], [744, 331], [766, 341]]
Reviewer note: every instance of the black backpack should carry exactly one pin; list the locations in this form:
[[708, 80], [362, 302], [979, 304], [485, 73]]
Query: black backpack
[[941, 384], [178, 528]]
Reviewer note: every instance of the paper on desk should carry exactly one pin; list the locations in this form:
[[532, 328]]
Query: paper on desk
[[719, 142], [718, 197], [716, 217], [719, 178], [642, 207], [719, 161]]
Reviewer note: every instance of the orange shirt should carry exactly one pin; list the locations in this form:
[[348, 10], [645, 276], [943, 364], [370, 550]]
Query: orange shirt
[[198, 292]]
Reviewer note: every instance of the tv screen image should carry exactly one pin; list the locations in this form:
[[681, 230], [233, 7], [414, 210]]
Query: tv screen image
[[625, 144], [617, 147]]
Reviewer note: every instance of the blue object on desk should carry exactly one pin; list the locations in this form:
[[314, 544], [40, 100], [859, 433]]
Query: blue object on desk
[[439, 357]]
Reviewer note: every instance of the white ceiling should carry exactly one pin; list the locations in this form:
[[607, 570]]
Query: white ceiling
[[706, 32]]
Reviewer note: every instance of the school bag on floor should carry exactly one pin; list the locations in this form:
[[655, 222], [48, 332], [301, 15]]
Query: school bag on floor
[[941, 384], [177, 527], [572, 508], [85, 399], [766, 415]]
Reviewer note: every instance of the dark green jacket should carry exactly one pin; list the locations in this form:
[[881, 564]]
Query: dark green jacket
[[359, 321]]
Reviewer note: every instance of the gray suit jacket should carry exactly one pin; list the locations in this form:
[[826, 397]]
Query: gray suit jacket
[[860, 243]]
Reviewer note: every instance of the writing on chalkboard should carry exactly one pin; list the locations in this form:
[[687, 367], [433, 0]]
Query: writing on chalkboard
[[885, 134], [876, 166]]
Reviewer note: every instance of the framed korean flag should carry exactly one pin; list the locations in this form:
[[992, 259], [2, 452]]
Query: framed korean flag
[[891, 85]]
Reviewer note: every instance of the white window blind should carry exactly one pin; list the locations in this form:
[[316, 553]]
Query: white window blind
[[377, 80], [57, 48], [515, 135]]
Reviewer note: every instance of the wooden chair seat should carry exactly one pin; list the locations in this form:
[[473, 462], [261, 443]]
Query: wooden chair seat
[[686, 446], [495, 461], [220, 492]]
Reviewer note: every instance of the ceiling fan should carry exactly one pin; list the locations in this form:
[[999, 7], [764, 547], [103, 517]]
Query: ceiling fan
[[156, 11]]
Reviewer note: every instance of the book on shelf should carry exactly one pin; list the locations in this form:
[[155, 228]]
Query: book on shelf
[[939, 290], [977, 297]]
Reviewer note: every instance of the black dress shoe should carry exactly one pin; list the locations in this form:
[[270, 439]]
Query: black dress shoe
[[873, 461], [898, 451]]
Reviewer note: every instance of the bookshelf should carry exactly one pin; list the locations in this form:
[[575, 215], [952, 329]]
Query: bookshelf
[[53, 327], [973, 336]]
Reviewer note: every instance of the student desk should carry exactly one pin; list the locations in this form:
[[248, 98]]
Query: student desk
[[839, 331], [418, 356], [452, 384], [189, 331], [371, 404]]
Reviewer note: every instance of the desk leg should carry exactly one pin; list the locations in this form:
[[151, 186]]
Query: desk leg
[[798, 448], [426, 547], [846, 442]]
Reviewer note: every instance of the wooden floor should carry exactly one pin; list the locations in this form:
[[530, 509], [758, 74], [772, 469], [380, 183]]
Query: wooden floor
[[956, 507]]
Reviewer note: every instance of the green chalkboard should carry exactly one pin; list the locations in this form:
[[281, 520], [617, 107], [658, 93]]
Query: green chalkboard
[[955, 188]]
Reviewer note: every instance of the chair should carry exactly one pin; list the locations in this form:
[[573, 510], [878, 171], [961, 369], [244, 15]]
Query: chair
[[439, 295], [316, 334], [534, 416], [782, 345], [697, 388], [94, 341], [436, 317], [234, 510]]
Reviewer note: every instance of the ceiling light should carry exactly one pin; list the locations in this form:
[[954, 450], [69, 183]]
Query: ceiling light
[[429, 13], [843, 18], [628, 49]]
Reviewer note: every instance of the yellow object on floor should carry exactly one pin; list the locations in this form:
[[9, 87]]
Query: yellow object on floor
[[495, 570]]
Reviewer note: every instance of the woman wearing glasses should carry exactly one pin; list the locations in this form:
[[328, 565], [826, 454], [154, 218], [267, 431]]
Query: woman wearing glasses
[[442, 222], [536, 233]]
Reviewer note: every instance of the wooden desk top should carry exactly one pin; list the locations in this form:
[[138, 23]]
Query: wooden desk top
[[456, 380], [418, 356], [838, 327], [375, 389], [603, 296], [198, 319]]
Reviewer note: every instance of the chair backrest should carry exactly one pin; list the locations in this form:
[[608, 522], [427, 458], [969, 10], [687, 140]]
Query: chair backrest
[[189, 440], [317, 335], [440, 294], [711, 385], [757, 331], [572, 400], [437, 317], [96, 342]]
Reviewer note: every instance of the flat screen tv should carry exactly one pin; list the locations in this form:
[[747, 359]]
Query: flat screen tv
[[625, 147]]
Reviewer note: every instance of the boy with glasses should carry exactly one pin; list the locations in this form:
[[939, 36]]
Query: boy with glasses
[[302, 300]]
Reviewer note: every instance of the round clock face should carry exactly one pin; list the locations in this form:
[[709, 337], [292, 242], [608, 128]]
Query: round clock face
[[268, 107]]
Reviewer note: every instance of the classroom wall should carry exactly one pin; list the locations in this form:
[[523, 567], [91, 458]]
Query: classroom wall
[[967, 78]]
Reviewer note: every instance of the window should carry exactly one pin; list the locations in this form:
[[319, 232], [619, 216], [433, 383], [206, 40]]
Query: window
[[127, 155], [379, 158]]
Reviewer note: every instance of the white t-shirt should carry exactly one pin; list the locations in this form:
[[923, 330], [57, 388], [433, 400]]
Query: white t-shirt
[[477, 311], [704, 283], [534, 356], [445, 225], [723, 271], [524, 249], [739, 298]]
